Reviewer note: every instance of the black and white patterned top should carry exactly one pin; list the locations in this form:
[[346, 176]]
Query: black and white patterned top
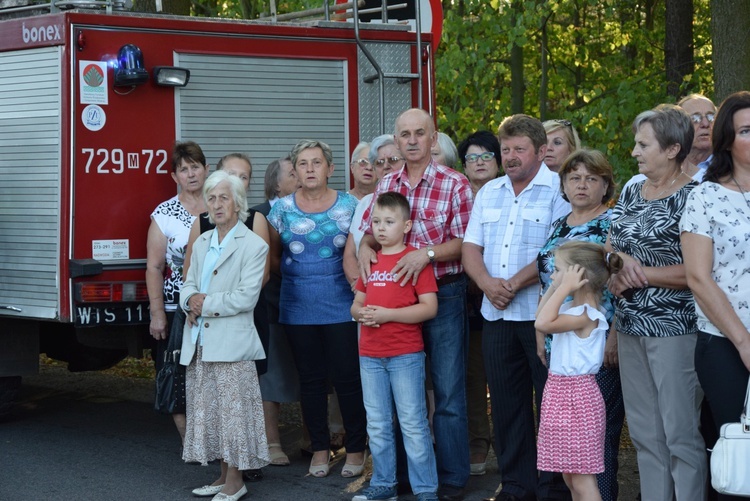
[[175, 222], [723, 216], [648, 230]]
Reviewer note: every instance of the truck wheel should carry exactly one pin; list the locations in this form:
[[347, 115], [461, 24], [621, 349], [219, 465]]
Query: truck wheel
[[9, 387]]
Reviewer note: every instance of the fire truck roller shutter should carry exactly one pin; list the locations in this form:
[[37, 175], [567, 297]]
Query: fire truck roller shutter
[[262, 107]]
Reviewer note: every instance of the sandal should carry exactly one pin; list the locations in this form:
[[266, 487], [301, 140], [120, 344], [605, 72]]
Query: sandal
[[354, 470], [320, 470], [278, 458]]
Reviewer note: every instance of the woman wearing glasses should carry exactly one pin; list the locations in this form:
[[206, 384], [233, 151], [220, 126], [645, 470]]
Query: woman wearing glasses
[[562, 140], [384, 157], [363, 171], [480, 153]]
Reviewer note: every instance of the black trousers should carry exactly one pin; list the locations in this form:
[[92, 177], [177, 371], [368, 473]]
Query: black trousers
[[516, 377], [724, 380], [320, 352]]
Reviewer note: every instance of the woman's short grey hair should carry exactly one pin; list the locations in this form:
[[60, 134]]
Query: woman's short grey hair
[[448, 149], [237, 189], [377, 143], [358, 149], [307, 144], [671, 125]]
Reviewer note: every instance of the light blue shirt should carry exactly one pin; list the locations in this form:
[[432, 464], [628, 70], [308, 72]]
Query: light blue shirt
[[702, 166], [212, 257]]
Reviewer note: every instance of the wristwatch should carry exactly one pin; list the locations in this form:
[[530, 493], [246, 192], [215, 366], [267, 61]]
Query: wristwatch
[[431, 254]]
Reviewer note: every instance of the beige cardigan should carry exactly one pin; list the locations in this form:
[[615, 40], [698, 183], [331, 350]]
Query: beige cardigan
[[229, 333]]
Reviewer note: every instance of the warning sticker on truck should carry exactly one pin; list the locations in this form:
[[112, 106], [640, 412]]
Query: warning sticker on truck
[[108, 250], [93, 79]]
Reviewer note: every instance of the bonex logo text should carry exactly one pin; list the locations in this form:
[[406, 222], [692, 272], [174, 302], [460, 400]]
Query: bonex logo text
[[40, 34]]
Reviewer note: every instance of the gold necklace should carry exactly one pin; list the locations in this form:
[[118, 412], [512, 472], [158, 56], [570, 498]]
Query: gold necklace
[[741, 191], [665, 189]]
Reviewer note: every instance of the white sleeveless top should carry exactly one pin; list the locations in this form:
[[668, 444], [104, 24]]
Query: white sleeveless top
[[573, 356]]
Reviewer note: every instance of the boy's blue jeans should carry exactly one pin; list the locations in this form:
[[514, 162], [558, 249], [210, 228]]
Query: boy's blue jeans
[[398, 379]]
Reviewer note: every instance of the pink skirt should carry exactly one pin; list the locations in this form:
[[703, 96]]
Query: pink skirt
[[572, 424]]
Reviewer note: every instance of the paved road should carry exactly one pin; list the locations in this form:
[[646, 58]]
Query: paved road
[[94, 436]]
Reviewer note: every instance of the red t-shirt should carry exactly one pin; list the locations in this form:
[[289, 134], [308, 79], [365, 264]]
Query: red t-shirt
[[394, 338]]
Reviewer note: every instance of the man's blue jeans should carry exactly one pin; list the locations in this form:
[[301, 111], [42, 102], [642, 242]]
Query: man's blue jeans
[[446, 340], [398, 379]]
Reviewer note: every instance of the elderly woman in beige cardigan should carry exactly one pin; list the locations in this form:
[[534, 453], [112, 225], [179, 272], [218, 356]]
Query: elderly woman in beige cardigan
[[224, 407]]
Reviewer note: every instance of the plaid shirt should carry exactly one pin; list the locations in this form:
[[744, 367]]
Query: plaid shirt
[[440, 208]]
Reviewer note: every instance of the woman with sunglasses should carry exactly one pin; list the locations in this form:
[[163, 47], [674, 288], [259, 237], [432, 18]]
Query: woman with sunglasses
[[363, 171], [562, 140], [384, 157]]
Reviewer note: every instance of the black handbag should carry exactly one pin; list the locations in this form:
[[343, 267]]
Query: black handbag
[[170, 380]]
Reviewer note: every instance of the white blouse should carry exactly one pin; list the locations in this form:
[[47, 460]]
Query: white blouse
[[571, 355], [723, 216]]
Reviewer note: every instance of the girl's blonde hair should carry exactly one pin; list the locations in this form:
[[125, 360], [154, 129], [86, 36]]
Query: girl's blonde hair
[[598, 263]]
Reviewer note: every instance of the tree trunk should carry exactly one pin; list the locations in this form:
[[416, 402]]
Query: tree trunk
[[517, 85], [648, 6], [730, 30], [578, 23], [544, 77], [678, 44]]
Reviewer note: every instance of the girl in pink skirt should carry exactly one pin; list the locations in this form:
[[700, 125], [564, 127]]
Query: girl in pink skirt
[[571, 428]]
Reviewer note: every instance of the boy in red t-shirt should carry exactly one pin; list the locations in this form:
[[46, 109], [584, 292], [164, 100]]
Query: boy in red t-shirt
[[391, 357]]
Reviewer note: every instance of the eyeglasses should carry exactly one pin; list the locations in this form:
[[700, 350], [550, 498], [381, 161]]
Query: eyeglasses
[[698, 117], [380, 162], [566, 123], [472, 158], [362, 162]]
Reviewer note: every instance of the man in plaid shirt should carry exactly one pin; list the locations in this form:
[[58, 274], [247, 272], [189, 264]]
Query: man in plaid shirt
[[441, 202]]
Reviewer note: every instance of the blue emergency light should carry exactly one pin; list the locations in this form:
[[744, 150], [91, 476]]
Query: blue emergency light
[[130, 71]]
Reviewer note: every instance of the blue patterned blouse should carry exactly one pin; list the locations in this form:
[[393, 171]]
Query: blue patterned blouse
[[594, 231], [314, 289]]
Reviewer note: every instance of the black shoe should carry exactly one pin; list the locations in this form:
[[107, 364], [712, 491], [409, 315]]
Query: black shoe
[[252, 475], [450, 493], [503, 496]]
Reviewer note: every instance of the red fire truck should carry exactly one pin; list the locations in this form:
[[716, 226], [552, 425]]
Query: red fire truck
[[91, 101]]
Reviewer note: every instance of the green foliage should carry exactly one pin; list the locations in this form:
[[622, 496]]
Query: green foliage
[[605, 62], [605, 65], [249, 9]]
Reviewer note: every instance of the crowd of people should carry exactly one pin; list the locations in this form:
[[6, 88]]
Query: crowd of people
[[398, 304]]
